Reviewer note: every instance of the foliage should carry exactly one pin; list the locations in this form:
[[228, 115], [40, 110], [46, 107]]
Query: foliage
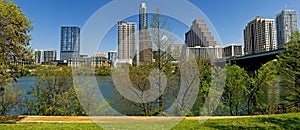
[[88, 93], [290, 74], [14, 40], [9, 99], [54, 93], [14, 50], [205, 70], [103, 71], [235, 89]]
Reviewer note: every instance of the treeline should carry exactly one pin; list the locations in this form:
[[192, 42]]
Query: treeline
[[32, 70], [274, 88]]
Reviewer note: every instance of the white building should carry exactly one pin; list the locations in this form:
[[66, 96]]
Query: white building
[[126, 40], [210, 52], [260, 36], [44, 56], [233, 50]]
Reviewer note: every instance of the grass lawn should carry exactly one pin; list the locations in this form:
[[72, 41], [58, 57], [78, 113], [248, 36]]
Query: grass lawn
[[281, 121]]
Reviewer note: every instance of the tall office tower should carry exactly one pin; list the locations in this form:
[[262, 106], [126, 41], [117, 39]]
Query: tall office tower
[[70, 42], [126, 40], [199, 35], [286, 23], [145, 42], [260, 36], [143, 17]]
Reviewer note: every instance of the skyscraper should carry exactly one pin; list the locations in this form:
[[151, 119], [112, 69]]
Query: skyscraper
[[199, 35], [201, 42], [70, 42], [286, 23], [126, 40], [260, 36], [145, 43], [143, 17]]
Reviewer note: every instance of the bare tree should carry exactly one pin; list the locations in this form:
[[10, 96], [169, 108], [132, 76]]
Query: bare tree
[[162, 38]]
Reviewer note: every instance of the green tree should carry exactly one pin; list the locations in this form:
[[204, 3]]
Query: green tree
[[290, 72], [235, 90], [205, 70], [257, 99], [88, 93], [139, 79], [14, 48], [54, 93]]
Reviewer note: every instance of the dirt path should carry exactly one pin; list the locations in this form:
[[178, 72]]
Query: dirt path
[[102, 119]]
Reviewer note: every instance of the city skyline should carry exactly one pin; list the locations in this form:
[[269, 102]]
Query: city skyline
[[47, 37]]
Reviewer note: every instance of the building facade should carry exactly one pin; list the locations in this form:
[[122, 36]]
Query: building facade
[[94, 61], [99, 54], [211, 52], [286, 24], [112, 55], [177, 51], [44, 56], [70, 42], [145, 47], [145, 42], [233, 50], [199, 35], [126, 40], [38, 56], [260, 36]]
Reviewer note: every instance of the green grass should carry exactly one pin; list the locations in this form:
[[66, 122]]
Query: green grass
[[282, 121]]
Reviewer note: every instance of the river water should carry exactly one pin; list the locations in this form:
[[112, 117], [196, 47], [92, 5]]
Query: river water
[[106, 88], [25, 83]]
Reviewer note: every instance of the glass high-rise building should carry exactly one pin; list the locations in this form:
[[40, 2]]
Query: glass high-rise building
[[286, 24], [70, 42]]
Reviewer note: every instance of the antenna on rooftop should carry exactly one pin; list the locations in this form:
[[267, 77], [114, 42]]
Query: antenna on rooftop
[[286, 6]]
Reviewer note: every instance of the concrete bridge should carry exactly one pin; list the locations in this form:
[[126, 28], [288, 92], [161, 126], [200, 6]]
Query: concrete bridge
[[252, 62]]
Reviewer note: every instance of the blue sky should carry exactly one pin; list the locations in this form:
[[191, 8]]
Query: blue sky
[[229, 17]]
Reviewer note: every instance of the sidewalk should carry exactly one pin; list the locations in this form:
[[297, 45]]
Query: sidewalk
[[107, 119]]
